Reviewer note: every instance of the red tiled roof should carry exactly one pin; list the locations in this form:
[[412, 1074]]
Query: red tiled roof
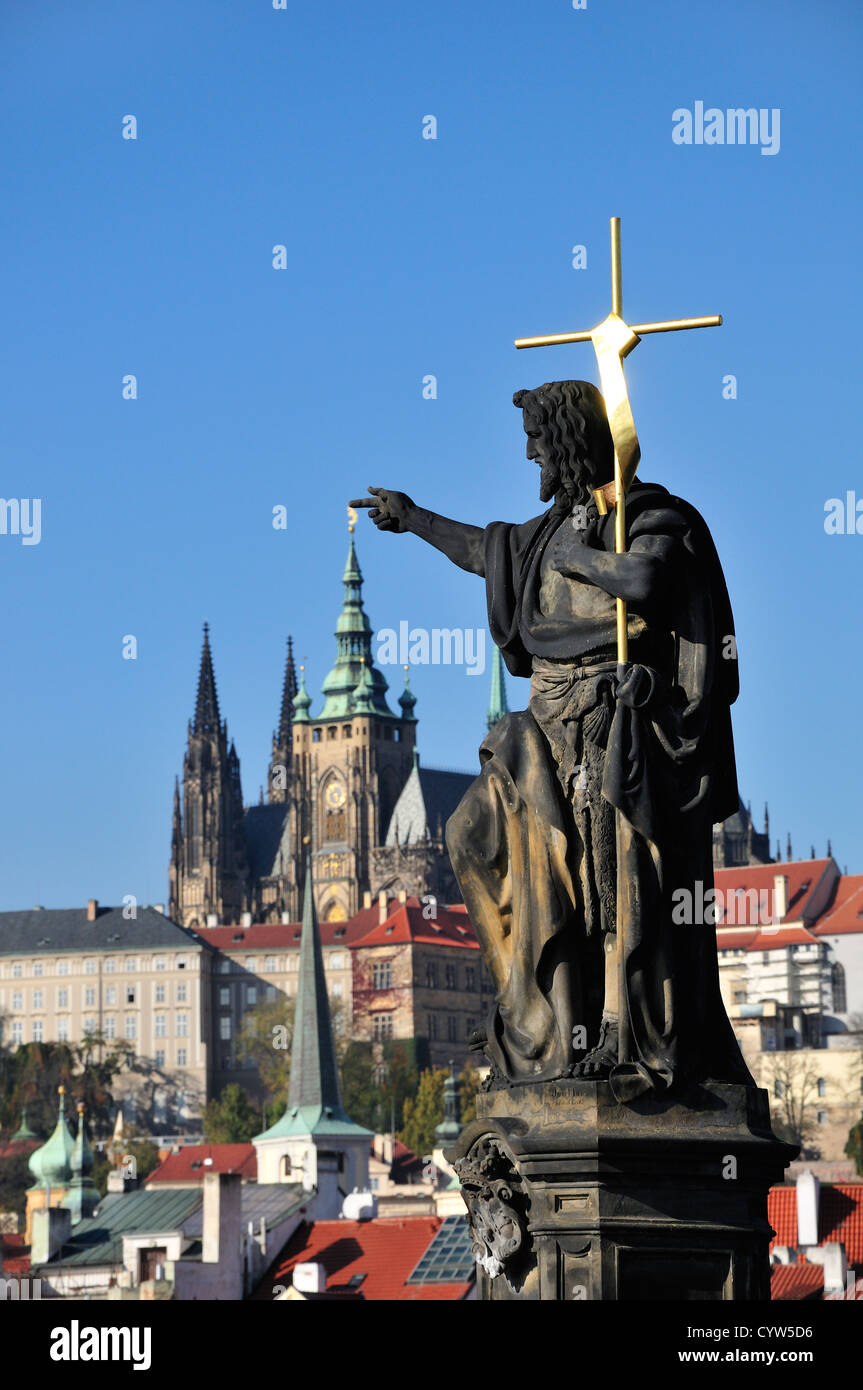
[[406, 922], [840, 1217], [188, 1164], [451, 927], [767, 940], [846, 913], [16, 1254], [386, 1250], [805, 877], [796, 1282], [736, 940]]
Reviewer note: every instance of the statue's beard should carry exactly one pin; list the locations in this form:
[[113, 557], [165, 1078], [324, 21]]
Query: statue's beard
[[568, 488]]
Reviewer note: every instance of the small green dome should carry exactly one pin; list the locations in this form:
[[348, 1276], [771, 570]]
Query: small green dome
[[51, 1165]]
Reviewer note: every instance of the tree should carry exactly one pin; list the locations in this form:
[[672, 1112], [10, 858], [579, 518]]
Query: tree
[[424, 1112], [854, 1147], [232, 1119], [264, 1043], [795, 1090], [30, 1076], [15, 1178], [469, 1084]]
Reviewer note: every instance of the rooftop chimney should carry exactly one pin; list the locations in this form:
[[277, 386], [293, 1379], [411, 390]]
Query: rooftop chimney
[[92, 909], [780, 896], [222, 1227], [286, 919], [246, 920], [382, 906], [367, 899], [160, 908], [212, 919], [807, 1209], [403, 896]]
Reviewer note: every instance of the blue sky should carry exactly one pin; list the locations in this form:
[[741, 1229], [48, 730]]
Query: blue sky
[[405, 257]]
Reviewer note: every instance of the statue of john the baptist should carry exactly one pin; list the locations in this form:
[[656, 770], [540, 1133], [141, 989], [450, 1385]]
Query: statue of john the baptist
[[534, 843]]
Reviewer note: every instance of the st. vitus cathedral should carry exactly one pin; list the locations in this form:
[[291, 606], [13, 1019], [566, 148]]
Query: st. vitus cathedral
[[348, 777]]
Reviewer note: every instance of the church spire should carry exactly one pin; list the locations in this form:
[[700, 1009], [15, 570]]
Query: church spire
[[207, 704], [314, 1083], [497, 705], [353, 650], [289, 691]]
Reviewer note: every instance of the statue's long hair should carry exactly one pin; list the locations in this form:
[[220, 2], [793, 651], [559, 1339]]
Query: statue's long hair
[[571, 417]]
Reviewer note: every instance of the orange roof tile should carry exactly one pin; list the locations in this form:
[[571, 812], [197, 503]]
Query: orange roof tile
[[796, 1282], [840, 1217], [386, 1250], [190, 1163], [808, 880], [846, 913]]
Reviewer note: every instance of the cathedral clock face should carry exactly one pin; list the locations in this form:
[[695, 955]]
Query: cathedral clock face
[[335, 796]]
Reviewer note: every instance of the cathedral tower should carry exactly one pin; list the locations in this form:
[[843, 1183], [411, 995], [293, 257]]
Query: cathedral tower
[[209, 871]]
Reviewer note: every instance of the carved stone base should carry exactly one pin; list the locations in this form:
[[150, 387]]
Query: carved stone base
[[572, 1195]]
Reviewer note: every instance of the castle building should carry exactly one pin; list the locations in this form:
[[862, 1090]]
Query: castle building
[[348, 778]]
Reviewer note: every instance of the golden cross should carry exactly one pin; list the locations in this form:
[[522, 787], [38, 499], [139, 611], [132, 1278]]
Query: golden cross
[[614, 339]]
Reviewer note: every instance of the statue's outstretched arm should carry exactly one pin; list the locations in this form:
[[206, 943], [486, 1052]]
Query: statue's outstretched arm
[[395, 511]]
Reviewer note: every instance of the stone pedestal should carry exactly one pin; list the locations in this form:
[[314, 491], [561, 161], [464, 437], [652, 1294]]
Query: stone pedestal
[[572, 1195]]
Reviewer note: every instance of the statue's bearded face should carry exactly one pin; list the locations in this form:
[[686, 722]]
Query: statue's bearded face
[[538, 448]]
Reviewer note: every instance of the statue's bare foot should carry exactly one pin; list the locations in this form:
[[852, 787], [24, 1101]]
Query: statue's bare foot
[[602, 1059]]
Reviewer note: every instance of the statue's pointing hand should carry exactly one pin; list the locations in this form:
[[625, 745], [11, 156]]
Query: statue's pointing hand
[[389, 510]]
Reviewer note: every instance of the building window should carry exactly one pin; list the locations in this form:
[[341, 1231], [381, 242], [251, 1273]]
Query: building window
[[225, 996], [269, 964], [224, 966], [62, 968], [131, 963], [252, 965], [18, 999], [130, 1027], [181, 1056], [89, 967], [158, 962], [432, 1026], [337, 989], [840, 991], [450, 976], [765, 957], [89, 1024], [160, 1057], [452, 1028], [16, 972], [37, 999], [181, 1022], [740, 996], [316, 735], [130, 994], [469, 977], [160, 994], [89, 996], [62, 998], [37, 970], [181, 962], [822, 1117], [431, 975], [110, 994], [160, 1029], [38, 1030], [62, 1030], [110, 966], [778, 1089], [251, 994], [382, 975], [822, 1086], [382, 1025], [110, 1026], [17, 1032], [335, 961], [224, 1028], [181, 994]]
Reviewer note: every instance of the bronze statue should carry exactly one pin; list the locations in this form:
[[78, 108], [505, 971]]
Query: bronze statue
[[595, 805]]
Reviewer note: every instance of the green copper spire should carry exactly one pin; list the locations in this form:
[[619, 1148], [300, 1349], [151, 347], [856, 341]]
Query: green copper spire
[[23, 1133], [302, 701], [497, 705], [353, 650], [408, 699], [314, 1096], [83, 1197], [363, 698], [51, 1165]]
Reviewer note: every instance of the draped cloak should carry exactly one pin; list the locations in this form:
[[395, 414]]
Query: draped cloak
[[667, 769]]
